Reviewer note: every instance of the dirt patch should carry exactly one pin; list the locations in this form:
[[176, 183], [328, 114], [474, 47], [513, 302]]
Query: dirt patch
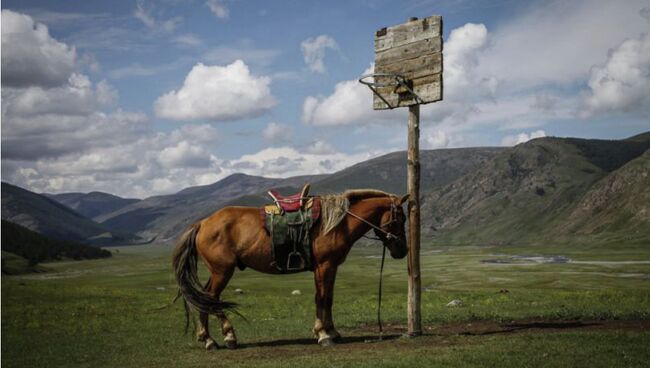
[[522, 326], [365, 337]]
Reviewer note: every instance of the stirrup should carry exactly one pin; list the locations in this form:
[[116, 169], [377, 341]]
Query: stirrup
[[292, 259]]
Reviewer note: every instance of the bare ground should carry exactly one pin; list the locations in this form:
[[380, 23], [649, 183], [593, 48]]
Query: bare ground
[[365, 337]]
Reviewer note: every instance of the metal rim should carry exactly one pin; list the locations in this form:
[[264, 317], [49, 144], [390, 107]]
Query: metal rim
[[399, 79]]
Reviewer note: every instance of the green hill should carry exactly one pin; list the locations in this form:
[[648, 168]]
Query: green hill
[[37, 248], [617, 204], [164, 217], [530, 193], [46, 216], [547, 189], [388, 172], [92, 204]]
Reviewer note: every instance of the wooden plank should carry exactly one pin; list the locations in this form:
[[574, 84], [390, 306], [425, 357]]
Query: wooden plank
[[413, 50], [409, 32], [414, 68], [428, 88], [413, 189], [409, 51]]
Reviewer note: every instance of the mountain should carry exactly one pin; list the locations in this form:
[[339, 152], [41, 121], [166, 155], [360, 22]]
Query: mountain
[[36, 248], [547, 189], [620, 201], [164, 217], [388, 172], [46, 216], [92, 204], [530, 193]]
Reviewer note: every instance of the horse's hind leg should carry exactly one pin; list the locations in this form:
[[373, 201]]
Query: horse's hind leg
[[203, 334], [219, 283], [229, 337]]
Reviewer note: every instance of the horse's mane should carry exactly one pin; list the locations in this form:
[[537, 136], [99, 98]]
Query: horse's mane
[[335, 206]]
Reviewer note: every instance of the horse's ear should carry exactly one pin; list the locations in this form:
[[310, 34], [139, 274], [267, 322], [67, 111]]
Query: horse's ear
[[403, 199]]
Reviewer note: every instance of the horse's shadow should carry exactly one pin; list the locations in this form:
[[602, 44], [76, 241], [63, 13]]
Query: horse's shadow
[[491, 330], [526, 326], [311, 341]]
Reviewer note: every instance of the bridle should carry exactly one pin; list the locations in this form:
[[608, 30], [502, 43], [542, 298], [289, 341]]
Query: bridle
[[388, 236]]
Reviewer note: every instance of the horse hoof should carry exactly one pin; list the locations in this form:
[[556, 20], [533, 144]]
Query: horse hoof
[[211, 345], [231, 344], [327, 342]]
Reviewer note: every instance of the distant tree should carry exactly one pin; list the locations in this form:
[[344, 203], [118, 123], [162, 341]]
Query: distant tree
[[37, 248]]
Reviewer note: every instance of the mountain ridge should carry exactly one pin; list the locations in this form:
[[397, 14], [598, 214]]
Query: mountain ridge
[[534, 192], [525, 194], [51, 218]]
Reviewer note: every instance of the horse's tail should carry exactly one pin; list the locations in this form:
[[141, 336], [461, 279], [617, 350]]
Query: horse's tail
[[184, 262]]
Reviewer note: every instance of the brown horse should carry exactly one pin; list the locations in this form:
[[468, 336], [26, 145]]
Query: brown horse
[[234, 237]]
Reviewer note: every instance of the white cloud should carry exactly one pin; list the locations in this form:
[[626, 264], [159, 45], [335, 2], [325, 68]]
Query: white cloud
[[217, 93], [461, 57], [524, 73], [35, 137], [30, 57], [89, 62], [244, 51], [288, 161], [560, 41], [169, 25], [622, 84], [137, 163], [513, 140], [350, 103], [76, 98], [139, 70], [188, 39], [58, 136], [320, 148], [277, 133], [144, 15], [203, 133], [185, 154], [435, 138], [313, 51], [218, 8]]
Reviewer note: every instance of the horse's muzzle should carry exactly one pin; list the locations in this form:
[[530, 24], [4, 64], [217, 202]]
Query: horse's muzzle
[[398, 253]]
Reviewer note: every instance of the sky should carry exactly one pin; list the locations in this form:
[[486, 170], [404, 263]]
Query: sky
[[140, 97]]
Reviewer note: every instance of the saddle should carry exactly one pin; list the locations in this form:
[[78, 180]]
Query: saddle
[[290, 203], [289, 220]]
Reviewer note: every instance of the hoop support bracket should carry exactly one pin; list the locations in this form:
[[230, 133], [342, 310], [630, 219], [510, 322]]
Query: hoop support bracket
[[399, 81]]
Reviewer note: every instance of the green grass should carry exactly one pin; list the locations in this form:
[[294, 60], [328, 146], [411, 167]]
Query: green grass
[[116, 312]]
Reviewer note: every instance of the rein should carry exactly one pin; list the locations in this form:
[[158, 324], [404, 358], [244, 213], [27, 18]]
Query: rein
[[389, 235], [381, 272]]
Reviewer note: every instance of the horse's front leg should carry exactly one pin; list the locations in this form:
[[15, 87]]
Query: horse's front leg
[[324, 277]]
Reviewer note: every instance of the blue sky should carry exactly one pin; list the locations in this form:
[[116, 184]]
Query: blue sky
[[138, 98]]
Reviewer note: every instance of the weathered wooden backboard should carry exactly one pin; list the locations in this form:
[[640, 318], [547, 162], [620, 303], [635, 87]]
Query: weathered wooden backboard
[[413, 50]]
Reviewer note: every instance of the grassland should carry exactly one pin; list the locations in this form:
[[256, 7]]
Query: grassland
[[592, 311]]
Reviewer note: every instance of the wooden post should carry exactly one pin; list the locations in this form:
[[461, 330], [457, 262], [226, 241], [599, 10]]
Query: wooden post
[[413, 187]]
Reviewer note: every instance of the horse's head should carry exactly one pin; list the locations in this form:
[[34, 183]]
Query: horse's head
[[392, 223]]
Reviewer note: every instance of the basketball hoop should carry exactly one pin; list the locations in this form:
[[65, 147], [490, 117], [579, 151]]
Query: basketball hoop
[[394, 80], [408, 73]]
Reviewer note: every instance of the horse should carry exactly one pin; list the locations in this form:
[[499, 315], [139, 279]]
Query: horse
[[233, 237]]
